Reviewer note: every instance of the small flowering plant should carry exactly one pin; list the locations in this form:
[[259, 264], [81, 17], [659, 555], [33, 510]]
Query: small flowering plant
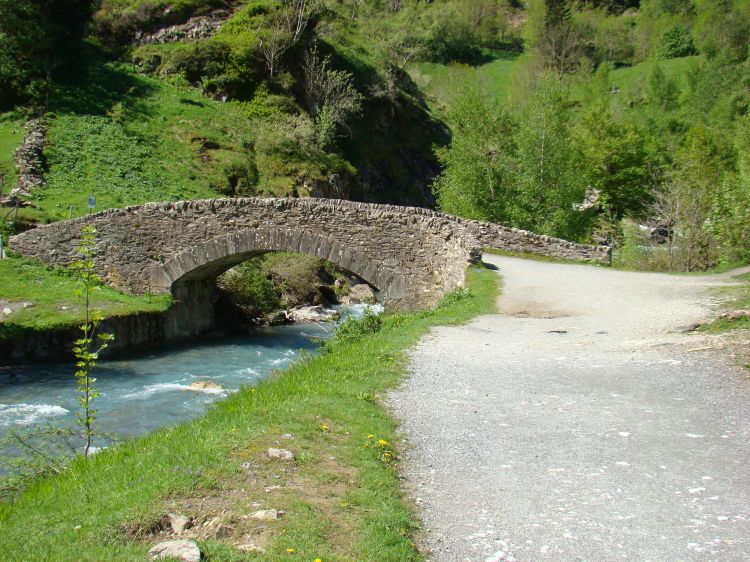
[[381, 447]]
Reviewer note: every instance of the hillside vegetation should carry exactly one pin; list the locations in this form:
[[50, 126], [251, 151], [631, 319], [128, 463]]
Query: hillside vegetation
[[613, 121]]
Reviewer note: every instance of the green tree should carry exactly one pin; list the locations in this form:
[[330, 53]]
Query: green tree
[[554, 36], [722, 28], [615, 154], [475, 182], [662, 90], [35, 36], [88, 347], [731, 201], [546, 168]]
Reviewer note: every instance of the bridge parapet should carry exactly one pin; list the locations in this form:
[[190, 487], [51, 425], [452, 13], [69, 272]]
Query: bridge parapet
[[412, 255]]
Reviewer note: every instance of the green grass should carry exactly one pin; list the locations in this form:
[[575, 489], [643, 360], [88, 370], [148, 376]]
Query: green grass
[[11, 136], [342, 501], [735, 298], [443, 84], [129, 139], [52, 293]]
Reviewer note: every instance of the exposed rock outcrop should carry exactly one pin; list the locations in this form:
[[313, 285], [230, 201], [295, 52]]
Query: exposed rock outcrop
[[30, 159], [359, 294], [192, 30]]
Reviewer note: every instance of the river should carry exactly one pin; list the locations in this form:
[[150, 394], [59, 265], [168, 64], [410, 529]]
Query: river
[[152, 390]]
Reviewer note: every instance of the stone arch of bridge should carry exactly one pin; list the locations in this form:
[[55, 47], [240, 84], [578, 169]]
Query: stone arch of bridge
[[189, 274]]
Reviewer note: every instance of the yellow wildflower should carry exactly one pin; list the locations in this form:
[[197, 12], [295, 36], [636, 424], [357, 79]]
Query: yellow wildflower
[[324, 427], [382, 442], [370, 436], [290, 550]]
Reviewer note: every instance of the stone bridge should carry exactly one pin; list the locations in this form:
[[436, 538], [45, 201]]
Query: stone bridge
[[413, 256]]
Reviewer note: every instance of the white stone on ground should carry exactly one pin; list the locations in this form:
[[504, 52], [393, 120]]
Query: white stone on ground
[[182, 550]]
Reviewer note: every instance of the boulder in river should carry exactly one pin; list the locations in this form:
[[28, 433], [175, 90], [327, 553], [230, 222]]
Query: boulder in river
[[317, 313], [203, 386]]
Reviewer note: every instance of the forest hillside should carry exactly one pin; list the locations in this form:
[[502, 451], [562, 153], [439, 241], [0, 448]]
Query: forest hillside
[[613, 121]]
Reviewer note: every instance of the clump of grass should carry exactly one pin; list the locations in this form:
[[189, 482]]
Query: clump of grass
[[736, 297], [342, 503]]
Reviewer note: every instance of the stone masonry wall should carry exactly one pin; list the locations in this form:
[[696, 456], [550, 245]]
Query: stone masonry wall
[[524, 242], [419, 254], [30, 159], [413, 255]]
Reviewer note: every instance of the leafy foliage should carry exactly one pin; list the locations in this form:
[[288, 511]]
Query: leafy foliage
[[87, 348], [353, 330], [35, 37]]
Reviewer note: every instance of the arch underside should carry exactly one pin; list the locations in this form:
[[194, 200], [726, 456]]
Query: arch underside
[[210, 259]]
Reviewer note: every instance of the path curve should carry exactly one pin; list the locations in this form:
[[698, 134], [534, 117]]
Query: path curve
[[576, 425]]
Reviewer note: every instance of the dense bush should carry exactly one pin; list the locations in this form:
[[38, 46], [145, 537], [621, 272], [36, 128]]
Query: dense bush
[[675, 42], [36, 37], [250, 288], [353, 330]]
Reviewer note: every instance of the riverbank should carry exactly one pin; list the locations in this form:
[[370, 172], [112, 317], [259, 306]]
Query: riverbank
[[341, 498]]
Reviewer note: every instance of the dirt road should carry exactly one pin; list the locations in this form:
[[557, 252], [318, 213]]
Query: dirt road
[[576, 424]]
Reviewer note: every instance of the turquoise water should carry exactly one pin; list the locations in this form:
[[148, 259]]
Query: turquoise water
[[153, 390]]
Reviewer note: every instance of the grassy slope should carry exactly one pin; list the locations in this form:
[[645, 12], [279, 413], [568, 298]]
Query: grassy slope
[[49, 290], [443, 84], [11, 135], [151, 151], [342, 501]]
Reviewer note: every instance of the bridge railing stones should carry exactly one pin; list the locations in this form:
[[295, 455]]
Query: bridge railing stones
[[412, 255]]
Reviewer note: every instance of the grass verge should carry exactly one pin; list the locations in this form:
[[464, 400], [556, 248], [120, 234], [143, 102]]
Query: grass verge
[[735, 297], [11, 136], [341, 494], [51, 299]]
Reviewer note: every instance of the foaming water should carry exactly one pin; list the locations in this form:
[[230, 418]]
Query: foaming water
[[26, 414], [154, 390]]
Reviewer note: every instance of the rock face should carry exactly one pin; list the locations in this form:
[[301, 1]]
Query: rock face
[[191, 30], [358, 294], [317, 313], [183, 550], [413, 256], [30, 159]]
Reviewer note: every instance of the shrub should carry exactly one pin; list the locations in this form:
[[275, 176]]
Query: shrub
[[456, 296], [250, 288], [675, 42], [205, 59], [355, 329]]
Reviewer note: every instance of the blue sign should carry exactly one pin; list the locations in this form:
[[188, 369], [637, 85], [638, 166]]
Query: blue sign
[[92, 201]]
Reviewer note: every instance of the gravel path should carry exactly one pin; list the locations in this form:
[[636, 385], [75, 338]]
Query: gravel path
[[577, 425]]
